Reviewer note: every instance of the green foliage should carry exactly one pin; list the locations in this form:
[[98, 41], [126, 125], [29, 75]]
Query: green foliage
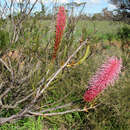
[[4, 38], [124, 33], [25, 124]]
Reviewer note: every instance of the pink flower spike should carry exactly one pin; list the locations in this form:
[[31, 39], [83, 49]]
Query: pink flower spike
[[106, 75], [60, 26]]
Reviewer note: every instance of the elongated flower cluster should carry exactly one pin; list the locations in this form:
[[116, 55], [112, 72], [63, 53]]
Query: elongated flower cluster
[[60, 26], [105, 76]]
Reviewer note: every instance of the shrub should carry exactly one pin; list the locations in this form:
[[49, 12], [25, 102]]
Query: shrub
[[4, 39]]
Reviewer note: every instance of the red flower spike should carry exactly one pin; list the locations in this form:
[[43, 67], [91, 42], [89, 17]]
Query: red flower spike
[[105, 76], [60, 26]]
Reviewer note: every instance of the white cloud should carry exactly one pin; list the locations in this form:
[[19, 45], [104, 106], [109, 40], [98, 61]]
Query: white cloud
[[78, 1], [111, 7], [60, 1], [106, 0], [95, 1]]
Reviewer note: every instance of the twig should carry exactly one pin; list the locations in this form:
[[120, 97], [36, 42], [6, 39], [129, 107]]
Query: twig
[[5, 65], [56, 113], [58, 107], [64, 112], [62, 67], [12, 73], [50, 104], [5, 92], [52, 109], [1, 85], [30, 74], [16, 104], [4, 120], [40, 91]]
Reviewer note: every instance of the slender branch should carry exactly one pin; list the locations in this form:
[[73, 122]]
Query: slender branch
[[56, 113], [39, 92], [4, 120], [24, 99], [8, 106], [16, 104], [61, 99], [58, 107], [1, 85], [30, 74], [12, 72], [65, 112], [62, 67], [5, 65], [32, 6], [5, 92]]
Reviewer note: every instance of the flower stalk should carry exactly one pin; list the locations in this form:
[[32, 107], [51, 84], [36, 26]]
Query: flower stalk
[[60, 26]]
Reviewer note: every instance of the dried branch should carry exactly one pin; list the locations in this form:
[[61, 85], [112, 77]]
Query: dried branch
[[31, 73], [56, 113], [64, 112], [62, 67], [5, 92], [4, 120], [5, 65], [16, 104], [39, 91], [1, 85], [60, 100]]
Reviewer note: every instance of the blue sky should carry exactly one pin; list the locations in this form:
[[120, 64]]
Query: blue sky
[[92, 6]]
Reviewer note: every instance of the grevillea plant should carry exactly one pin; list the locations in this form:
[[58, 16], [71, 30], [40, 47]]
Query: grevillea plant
[[60, 26], [105, 76]]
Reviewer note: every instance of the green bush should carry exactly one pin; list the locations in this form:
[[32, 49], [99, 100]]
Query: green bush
[[4, 39], [124, 33]]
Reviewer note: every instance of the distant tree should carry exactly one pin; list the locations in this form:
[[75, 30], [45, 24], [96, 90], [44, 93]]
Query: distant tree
[[107, 15], [97, 16], [84, 17], [43, 11], [122, 4], [123, 9]]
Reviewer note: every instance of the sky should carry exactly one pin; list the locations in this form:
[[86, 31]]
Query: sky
[[92, 6]]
